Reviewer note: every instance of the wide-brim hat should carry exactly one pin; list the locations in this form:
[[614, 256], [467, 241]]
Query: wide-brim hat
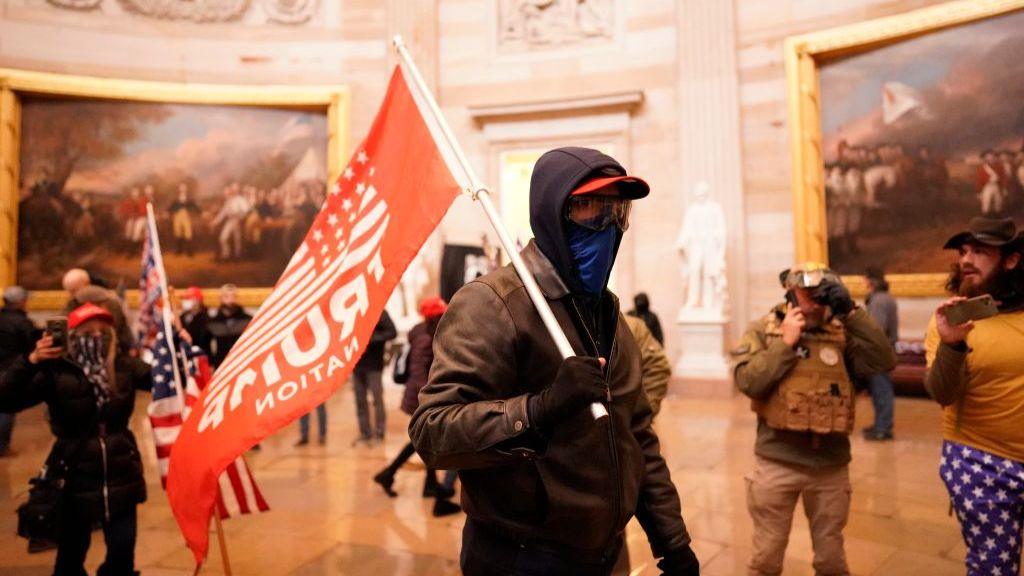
[[89, 311], [997, 232]]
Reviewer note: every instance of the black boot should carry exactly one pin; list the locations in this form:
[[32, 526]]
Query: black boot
[[386, 478], [445, 507]]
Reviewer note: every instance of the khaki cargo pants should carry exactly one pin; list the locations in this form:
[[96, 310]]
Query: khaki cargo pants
[[772, 491]]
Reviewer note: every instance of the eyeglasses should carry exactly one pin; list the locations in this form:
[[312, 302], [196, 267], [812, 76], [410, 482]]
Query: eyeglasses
[[598, 212]]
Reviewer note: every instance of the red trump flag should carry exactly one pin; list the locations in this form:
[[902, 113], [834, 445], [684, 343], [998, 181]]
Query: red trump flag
[[306, 337]]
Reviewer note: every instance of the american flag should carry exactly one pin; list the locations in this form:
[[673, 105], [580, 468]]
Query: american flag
[[180, 372]]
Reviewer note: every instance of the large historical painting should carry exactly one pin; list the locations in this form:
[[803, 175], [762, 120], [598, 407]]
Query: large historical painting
[[919, 136], [234, 189]]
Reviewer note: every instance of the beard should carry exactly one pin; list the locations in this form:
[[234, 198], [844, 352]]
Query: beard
[[1006, 286]]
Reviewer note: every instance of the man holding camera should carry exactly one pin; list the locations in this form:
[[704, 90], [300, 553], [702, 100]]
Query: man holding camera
[[797, 365], [976, 372]]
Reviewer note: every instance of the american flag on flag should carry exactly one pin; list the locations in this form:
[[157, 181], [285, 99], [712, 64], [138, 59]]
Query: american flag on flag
[[180, 372]]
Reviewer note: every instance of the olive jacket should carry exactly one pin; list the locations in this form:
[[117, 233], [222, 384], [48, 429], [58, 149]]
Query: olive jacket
[[762, 362], [656, 368]]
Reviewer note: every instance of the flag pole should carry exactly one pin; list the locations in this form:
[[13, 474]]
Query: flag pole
[[482, 195], [165, 308], [179, 389], [222, 543]]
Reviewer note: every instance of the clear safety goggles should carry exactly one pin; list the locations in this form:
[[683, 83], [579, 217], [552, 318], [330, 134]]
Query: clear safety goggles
[[810, 278], [598, 212]]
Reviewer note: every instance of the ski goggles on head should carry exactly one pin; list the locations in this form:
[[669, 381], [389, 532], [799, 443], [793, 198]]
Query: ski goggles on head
[[598, 212]]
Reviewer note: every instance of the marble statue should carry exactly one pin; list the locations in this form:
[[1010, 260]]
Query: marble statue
[[701, 243]]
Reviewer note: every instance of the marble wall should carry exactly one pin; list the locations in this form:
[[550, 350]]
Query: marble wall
[[512, 76]]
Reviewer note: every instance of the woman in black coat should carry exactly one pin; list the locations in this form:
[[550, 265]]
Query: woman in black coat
[[421, 356], [90, 393]]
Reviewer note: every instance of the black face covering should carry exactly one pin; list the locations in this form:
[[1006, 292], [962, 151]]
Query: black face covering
[[89, 351]]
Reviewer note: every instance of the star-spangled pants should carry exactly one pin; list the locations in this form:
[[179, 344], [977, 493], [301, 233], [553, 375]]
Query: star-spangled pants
[[987, 493]]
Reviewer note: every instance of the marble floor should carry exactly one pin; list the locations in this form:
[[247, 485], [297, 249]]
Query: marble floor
[[328, 517]]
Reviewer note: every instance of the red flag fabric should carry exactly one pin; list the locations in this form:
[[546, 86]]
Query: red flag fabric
[[307, 336]]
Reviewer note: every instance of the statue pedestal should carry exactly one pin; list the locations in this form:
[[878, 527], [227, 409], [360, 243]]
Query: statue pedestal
[[702, 369]]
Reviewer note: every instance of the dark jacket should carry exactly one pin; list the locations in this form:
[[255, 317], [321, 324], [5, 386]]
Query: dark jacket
[[643, 312], [18, 335], [421, 356], [573, 488], [225, 325], [383, 332], [761, 363], [196, 323], [108, 300], [98, 447]]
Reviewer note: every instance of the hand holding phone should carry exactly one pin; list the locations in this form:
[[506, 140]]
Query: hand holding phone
[[57, 328], [964, 311], [45, 350]]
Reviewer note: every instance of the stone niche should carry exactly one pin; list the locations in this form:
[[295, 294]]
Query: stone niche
[[293, 12], [531, 25]]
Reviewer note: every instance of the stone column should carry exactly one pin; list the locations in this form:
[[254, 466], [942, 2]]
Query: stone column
[[709, 136], [417, 22]]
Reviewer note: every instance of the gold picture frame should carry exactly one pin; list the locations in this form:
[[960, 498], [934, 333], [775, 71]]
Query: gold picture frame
[[335, 100], [804, 55]]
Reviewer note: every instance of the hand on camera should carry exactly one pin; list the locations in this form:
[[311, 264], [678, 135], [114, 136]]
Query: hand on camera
[[793, 325], [579, 383], [951, 334], [45, 350], [835, 296]]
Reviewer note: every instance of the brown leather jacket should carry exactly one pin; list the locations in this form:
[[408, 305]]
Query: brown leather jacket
[[574, 490]]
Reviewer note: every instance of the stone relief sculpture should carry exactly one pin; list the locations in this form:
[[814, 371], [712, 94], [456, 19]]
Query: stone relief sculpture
[[525, 24], [290, 11], [280, 11], [76, 4], [701, 243]]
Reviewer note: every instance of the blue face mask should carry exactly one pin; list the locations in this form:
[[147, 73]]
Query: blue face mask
[[594, 253]]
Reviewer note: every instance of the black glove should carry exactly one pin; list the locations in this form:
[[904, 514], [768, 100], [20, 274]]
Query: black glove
[[579, 383], [835, 296], [681, 562]]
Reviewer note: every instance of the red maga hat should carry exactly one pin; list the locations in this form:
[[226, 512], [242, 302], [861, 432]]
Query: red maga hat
[[87, 312], [193, 293], [433, 307]]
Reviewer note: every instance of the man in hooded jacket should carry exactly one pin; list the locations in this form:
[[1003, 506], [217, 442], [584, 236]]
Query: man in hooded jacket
[[547, 488]]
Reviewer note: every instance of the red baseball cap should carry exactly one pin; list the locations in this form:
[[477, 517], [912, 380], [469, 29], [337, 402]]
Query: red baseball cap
[[433, 307], [193, 293], [630, 187], [86, 312]]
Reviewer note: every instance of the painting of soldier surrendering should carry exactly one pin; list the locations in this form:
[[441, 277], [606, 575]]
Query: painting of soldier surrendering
[[919, 136], [234, 189]]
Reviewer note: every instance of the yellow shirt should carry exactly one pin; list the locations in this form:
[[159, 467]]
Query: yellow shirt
[[992, 408]]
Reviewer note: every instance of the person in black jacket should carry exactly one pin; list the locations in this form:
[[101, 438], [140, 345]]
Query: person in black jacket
[[18, 336], [226, 324], [366, 375], [642, 310], [89, 390], [421, 356]]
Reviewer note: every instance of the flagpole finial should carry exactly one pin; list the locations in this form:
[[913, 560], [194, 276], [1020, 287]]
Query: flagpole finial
[[397, 41]]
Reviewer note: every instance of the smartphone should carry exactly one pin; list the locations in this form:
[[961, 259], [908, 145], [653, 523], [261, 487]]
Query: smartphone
[[977, 308], [58, 329]]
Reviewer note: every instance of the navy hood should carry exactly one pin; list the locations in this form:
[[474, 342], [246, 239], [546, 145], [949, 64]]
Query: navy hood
[[557, 173]]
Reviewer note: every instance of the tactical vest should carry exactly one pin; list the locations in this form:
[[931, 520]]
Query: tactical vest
[[816, 395]]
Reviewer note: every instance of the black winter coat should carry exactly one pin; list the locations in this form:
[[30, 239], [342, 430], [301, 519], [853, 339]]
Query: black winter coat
[[18, 334], [104, 468]]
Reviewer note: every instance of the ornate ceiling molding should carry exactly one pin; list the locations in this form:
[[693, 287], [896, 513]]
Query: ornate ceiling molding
[[280, 11]]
